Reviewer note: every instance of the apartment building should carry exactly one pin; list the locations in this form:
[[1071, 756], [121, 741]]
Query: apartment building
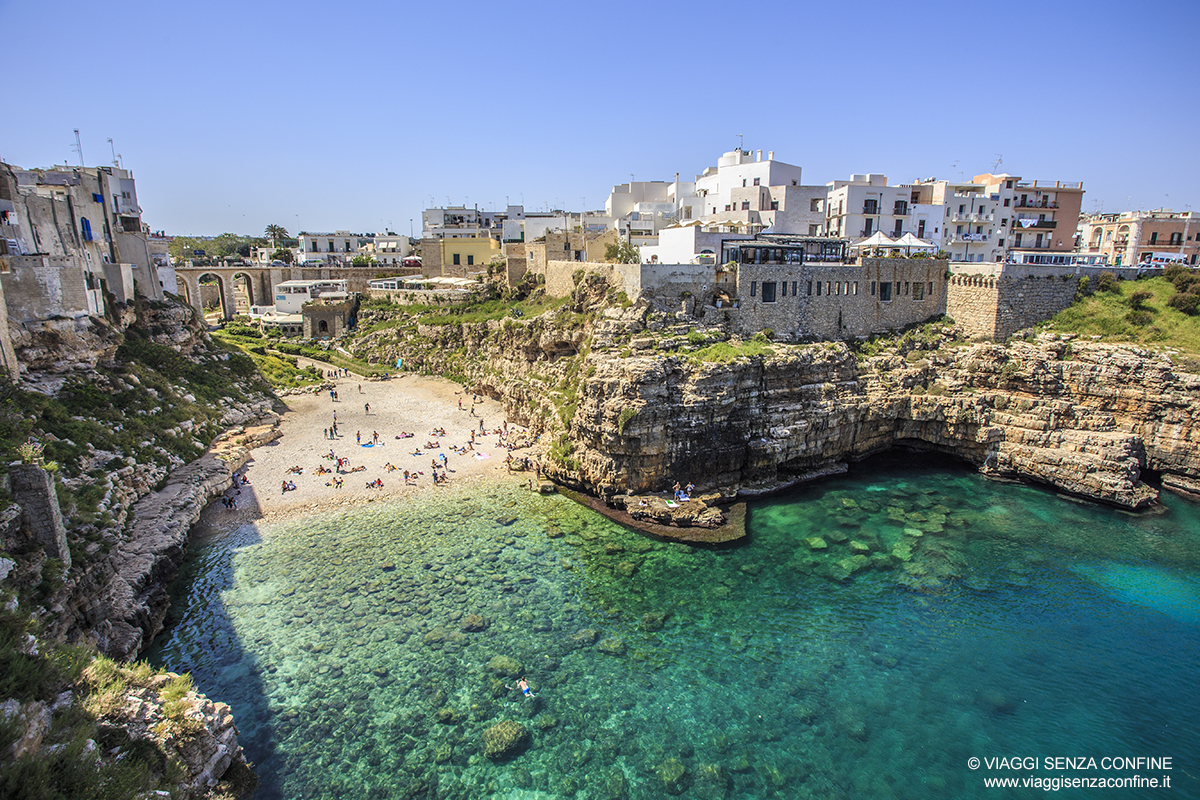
[[338, 247], [756, 193], [1154, 237]]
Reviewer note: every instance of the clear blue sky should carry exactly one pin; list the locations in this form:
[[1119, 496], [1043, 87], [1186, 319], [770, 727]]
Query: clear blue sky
[[355, 115]]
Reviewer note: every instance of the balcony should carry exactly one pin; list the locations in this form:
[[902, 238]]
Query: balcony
[[967, 238], [1033, 224], [976, 217], [1036, 204]]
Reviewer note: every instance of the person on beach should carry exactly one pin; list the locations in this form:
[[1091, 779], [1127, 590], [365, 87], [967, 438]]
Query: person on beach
[[358, 437]]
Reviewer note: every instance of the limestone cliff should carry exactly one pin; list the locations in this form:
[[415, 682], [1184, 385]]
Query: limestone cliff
[[625, 402], [1086, 418]]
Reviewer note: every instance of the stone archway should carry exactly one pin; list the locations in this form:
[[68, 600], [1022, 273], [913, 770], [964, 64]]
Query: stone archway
[[242, 287], [208, 299]]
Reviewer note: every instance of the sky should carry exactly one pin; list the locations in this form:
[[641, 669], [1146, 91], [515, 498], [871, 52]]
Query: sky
[[357, 115]]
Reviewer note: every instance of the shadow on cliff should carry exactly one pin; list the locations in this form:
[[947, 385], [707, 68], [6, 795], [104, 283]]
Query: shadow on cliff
[[200, 636]]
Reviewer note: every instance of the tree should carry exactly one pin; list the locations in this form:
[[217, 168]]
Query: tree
[[283, 254], [361, 260], [275, 233], [622, 252]]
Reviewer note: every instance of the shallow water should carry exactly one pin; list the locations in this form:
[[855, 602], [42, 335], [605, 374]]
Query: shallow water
[[940, 616]]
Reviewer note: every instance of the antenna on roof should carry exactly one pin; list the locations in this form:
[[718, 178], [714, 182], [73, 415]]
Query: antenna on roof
[[113, 147], [741, 142], [78, 147], [999, 161]]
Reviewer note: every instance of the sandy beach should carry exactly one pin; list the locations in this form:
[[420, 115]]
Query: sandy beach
[[405, 403]]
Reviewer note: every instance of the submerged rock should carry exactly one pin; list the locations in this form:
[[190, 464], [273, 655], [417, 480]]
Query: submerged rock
[[505, 665], [674, 776], [505, 739], [474, 623]]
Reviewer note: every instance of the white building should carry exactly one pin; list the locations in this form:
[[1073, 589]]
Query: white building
[[688, 243], [332, 248], [388, 248], [760, 193], [290, 296]]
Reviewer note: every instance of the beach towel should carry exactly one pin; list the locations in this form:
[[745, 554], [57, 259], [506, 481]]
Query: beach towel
[[369, 444], [672, 504], [482, 456]]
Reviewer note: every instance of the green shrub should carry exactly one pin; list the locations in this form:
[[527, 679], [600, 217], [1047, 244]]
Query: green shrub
[[623, 420], [1137, 300], [1107, 282], [1188, 303]]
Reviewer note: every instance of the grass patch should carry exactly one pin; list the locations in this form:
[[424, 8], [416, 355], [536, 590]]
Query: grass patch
[[725, 352], [1108, 315]]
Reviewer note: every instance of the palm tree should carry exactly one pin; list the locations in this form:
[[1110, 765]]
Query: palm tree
[[275, 233]]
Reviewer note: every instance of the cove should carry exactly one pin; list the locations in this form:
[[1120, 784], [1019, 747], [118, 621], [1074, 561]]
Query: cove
[[874, 632]]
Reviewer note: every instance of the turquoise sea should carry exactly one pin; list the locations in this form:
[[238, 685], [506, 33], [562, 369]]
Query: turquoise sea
[[875, 633]]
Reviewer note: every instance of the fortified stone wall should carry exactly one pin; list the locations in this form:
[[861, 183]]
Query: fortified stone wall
[[837, 301], [998, 307]]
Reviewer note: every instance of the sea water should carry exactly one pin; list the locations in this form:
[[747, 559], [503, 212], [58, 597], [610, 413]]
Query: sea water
[[874, 634]]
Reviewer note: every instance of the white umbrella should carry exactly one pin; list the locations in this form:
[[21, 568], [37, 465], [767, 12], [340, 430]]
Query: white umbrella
[[877, 239], [911, 242]]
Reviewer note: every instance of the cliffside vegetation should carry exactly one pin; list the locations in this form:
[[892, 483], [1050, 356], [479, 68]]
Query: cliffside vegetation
[[151, 396], [1159, 312]]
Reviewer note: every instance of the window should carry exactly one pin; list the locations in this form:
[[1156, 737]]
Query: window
[[579, 255], [1006, 202], [872, 288], [856, 288], [959, 229], [728, 208], [921, 229], [86, 228], [768, 291], [1017, 240], [470, 260], [814, 205], [818, 288], [793, 288], [1007, 185], [1000, 243], [331, 246], [456, 257], [828, 287], [756, 181], [930, 289], [906, 285], [1154, 237], [744, 182], [871, 206], [753, 287], [745, 205], [885, 292], [962, 208], [837, 288], [774, 205], [810, 288], [1004, 222], [1176, 238], [918, 291]]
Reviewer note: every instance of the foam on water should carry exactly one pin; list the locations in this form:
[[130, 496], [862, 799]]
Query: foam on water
[[938, 617]]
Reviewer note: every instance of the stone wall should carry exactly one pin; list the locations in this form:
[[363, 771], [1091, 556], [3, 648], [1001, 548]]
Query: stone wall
[[41, 287], [998, 307], [325, 319], [838, 301]]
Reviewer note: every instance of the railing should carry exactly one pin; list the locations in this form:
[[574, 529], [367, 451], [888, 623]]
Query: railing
[[1036, 204], [1020, 224], [870, 208], [976, 217]]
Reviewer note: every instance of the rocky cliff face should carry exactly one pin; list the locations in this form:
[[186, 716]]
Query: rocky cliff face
[[623, 406], [1086, 418]]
